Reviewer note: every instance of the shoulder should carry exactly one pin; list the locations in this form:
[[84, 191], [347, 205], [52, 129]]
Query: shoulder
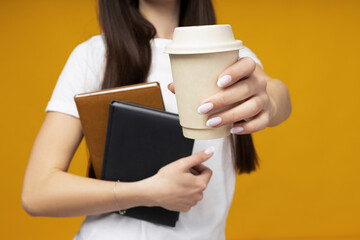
[[83, 72], [94, 47], [94, 42], [90, 55]]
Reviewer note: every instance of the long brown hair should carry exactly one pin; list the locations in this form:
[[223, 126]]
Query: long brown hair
[[128, 54]]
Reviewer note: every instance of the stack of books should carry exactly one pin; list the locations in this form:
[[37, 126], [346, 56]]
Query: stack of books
[[130, 137]]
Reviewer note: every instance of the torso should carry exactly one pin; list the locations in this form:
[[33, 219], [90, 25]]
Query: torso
[[206, 220]]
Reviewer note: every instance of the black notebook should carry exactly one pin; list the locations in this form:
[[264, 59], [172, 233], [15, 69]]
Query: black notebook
[[140, 140]]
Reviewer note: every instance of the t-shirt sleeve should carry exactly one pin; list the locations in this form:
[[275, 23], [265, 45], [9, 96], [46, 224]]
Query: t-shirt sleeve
[[76, 77], [246, 52]]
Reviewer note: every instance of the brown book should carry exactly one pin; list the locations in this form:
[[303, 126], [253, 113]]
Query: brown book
[[93, 108]]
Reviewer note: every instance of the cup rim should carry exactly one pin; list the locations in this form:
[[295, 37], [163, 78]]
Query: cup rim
[[173, 48]]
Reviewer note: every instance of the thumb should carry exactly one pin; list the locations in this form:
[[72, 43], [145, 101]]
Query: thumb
[[197, 158], [171, 87]]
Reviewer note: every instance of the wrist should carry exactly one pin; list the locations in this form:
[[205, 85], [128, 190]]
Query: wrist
[[147, 192], [280, 101], [131, 194], [271, 85], [273, 110]]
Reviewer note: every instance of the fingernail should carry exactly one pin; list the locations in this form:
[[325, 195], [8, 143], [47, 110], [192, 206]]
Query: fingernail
[[209, 150], [224, 80], [236, 130], [204, 108], [213, 121]]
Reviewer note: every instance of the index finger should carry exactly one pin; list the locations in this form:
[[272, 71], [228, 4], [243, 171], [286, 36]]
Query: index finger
[[199, 168], [244, 67]]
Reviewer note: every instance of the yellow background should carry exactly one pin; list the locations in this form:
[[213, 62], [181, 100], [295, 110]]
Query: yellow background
[[308, 184]]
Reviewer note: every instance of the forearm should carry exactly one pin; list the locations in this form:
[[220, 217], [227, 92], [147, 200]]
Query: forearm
[[280, 98], [62, 194]]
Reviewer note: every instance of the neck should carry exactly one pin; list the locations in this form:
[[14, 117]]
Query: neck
[[164, 15]]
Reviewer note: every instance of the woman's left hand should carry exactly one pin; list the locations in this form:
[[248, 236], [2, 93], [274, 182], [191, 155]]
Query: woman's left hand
[[245, 83]]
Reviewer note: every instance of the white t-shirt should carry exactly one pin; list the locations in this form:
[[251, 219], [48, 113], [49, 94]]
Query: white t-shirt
[[83, 72]]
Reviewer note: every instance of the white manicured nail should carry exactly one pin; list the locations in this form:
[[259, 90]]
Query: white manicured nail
[[236, 130], [204, 108], [210, 150], [213, 121], [224, 80]]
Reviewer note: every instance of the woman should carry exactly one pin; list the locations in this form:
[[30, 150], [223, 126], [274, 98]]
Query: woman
[[130, 51]]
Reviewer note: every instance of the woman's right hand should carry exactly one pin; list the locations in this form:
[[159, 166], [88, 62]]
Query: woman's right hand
[[179, 185], [49, 190]]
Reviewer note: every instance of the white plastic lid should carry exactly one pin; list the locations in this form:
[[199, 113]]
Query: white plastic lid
[[203, 39]]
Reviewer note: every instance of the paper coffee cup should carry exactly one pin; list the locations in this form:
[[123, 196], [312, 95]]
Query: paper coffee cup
[[198, 55]]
